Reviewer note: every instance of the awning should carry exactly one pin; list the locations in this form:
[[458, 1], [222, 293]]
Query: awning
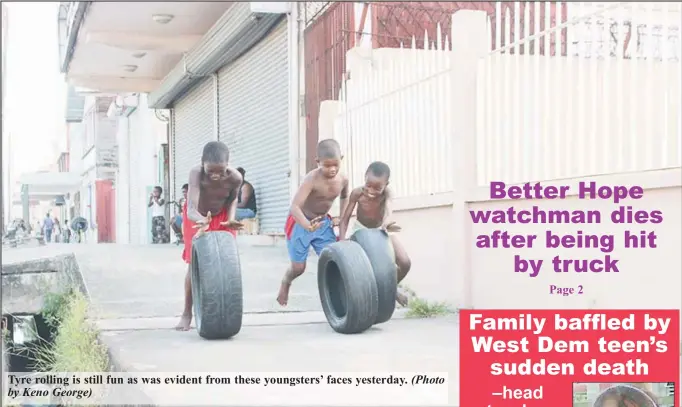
[[49, 185], [231, 36]]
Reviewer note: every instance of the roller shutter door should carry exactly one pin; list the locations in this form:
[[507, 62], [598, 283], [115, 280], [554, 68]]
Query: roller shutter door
[[253, 117], [193, 124]]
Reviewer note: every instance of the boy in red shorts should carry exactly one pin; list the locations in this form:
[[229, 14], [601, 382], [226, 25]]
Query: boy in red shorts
[[213, 188]]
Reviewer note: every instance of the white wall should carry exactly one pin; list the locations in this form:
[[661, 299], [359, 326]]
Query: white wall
[[462, 123], [122, 181], [139, 138]]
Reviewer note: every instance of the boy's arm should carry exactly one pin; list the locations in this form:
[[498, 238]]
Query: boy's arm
[[343, 198], [346, 214], [193, 196], [299, 200], [388, 208]]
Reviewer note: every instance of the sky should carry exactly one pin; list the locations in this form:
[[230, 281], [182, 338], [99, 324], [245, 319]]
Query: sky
[[34, 127]]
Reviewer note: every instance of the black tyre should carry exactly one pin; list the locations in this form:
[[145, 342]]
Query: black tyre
[[348, 289], [377, 246], [217, 285]]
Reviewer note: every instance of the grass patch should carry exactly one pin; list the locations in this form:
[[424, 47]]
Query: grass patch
[[76, 346], [421, 308]]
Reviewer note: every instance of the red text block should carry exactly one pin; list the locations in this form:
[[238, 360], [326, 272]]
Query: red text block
[[532, 357]]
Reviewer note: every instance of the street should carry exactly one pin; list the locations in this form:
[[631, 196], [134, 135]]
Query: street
[[136, 296]]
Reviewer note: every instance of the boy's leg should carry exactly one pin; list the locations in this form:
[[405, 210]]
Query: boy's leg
[[298, 245], [404, 264], [186, 318]]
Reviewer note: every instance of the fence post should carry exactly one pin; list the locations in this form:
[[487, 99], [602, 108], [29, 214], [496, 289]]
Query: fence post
[[470, 41]]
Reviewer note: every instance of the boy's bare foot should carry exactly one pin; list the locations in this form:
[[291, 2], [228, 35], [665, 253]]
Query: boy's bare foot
[[283, 296], [185, 322], [402, 299]]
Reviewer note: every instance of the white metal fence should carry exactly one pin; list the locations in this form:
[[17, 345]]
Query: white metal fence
[[396, 110], [607, 107], [605, 100]]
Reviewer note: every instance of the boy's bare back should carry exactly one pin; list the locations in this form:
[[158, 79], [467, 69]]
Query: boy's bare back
[[323, 192], [370, 212], [214, 195]]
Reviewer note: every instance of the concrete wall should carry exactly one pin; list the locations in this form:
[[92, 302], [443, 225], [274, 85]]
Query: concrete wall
[[106, 149], [139, 137], [647, 278], [438, 231]]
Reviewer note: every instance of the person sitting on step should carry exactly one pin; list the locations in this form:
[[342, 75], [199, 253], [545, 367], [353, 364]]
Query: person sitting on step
[[246, 203]]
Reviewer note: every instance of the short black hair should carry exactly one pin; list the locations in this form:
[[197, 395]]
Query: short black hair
[[185, 186], [241, 171], [329, 148], [215, 152], [379, 169], [158, 188]]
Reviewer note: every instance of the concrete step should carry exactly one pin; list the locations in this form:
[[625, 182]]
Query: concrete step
[[259, 319]]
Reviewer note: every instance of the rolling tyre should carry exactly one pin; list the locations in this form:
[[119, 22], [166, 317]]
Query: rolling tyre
[[348, 289], [379, 251], [216, 285]]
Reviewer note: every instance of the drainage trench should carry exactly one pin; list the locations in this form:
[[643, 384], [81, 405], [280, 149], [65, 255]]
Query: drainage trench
[[26, 336]]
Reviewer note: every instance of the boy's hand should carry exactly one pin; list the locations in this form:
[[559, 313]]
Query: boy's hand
[[203, 225], [391, 227], [315, 223], [233, 224]]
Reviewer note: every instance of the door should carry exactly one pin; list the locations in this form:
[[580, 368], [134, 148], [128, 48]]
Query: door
[[253, 121]]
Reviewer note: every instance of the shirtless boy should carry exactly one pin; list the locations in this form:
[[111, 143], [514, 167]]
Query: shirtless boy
[[309, 223], [374, 211], [211, 205]]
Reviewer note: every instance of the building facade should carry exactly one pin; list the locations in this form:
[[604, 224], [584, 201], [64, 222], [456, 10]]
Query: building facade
[[242, 99]]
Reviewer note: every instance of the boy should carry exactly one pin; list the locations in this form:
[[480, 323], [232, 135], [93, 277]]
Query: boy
[[157, 203], [309, 223], [212, 191], [176, 224], [374, 211]]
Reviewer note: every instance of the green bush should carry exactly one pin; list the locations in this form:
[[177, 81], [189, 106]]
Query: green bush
[[76, 347]]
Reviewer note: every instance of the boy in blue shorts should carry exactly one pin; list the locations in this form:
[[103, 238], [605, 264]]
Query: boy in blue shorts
[[309, 223]]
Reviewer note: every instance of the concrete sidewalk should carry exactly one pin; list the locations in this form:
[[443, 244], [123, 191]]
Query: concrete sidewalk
[[137, 297]]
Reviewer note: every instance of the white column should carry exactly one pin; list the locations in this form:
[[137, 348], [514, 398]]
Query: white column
[[469, 44], [123, 182], [293, 56]]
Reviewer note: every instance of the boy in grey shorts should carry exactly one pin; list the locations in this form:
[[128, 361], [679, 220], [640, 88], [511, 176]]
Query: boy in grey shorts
[[373, 201]]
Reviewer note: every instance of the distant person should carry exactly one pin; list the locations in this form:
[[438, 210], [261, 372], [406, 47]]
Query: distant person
[[246, 202], [157, 203], [66, 232], [176, 225], [183, 200], [48, 227], [57, 230]]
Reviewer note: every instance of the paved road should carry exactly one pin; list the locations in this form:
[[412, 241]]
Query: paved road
[[136, 292]]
